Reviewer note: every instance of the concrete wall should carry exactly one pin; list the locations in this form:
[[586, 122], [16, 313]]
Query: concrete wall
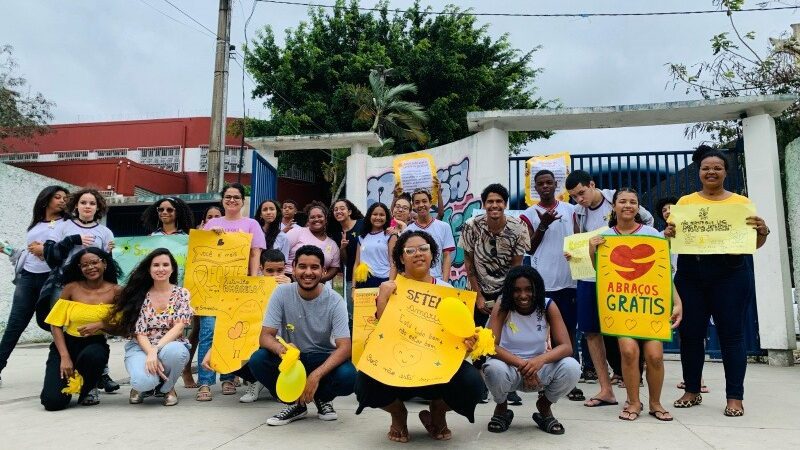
[[19, 188]]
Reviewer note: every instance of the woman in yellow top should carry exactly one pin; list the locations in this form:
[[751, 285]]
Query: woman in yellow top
[[717, 286], [76, 321]]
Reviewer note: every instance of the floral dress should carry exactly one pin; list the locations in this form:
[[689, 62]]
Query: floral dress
[[155, 323]]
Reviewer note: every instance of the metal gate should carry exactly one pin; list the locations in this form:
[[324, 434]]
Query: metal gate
[[263, 182]]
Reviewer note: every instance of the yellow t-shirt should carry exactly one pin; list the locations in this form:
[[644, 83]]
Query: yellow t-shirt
[[73, 315], [696, 199]]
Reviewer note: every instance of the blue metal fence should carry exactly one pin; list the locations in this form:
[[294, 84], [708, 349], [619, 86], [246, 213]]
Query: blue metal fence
[[263, 182]]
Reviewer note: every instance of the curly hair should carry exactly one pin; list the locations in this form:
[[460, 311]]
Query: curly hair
[[128, 303], [274, 227], [399, 248], [334, 228], [73, 272], [507, 302], [366, 228], [184, 218], [102, 206]]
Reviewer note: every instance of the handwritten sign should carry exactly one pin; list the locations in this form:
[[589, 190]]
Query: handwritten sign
[[415, 171], [634, 287], [237, 329], [577, 245], [409, 347], [210, 260], [364, 320], [130, 251], [558, 163], [708, 229]]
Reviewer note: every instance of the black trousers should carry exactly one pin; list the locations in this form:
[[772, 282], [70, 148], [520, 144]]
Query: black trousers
[[89, 357], [26, 294]]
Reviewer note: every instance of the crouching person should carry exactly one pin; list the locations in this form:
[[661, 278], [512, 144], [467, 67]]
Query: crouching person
[[310, 316], [520, 323]]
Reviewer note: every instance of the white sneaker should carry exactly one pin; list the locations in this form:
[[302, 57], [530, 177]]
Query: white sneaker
[[252, 392], [295, 411], [325, 411]]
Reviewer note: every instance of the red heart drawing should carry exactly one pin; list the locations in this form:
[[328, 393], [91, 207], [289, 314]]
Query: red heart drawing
[[624, 256]]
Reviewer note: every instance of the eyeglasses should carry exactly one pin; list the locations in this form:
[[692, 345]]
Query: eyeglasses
[[410, 251], [88, 264], [493, 251], [167, 210], [232, 197]]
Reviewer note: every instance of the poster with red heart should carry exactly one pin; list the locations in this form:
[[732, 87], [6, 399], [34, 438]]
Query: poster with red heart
[[634, 287]]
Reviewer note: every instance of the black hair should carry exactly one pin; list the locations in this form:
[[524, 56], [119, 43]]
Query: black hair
[[43, 201], [72, 272], [426, 192], [577, 177], [184, 219], [128, 303], [216, 206], [404, 196], [275, 227], [309, 250], [238, 186], [494, 188], [272, 255], [366, 228], [292, 202], [662, 202], [74, 199], [397, 253], [334, 228], [705, 151], [537, 283], [612, 222], [545, 172]]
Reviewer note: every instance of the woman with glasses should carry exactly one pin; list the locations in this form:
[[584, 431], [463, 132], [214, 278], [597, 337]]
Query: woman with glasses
[[168, 216], [401, 214], [413, 256], [233, 221], [77, 322]]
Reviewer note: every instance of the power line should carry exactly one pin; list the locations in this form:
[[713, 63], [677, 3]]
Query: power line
[[174, 19], [213, 33], [539, 15]]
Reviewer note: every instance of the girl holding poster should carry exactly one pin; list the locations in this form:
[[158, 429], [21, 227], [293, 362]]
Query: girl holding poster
[[625, 220], [718, 286]]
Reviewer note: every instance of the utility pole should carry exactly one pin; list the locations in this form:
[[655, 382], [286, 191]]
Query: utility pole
[[215, 174]]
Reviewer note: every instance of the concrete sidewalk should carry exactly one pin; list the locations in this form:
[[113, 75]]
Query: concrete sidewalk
[[771, 419]]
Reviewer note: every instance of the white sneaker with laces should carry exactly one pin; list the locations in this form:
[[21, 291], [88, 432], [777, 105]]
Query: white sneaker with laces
[[252, 392], [325, 411], [295, 411]]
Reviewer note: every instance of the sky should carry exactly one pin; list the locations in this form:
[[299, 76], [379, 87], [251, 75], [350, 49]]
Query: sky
[[102, 60]]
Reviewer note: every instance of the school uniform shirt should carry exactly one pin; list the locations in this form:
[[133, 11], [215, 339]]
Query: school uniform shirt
[[548, 259], [492, 253], [525, 336], [102, 235], [375, 253], [39, 233], [443, 236]]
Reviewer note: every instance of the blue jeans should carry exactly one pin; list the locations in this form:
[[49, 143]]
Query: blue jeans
[[23, 307], [339, 382], [172, 356], [207, 377]]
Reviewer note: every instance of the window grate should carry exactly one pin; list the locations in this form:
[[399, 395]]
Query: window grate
[[19, 157], [167, 158]]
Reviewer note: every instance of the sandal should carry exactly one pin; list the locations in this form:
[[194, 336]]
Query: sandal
[[427, 421], [732, 412], [576, 395], [688, 403], [203, 394], [228, 387], [500, 422], [548, 424], [663, 416], [631, 415], [396, 435]]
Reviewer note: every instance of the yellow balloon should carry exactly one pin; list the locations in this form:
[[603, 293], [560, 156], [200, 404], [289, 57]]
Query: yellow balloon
[[455, 317], [291, 383]]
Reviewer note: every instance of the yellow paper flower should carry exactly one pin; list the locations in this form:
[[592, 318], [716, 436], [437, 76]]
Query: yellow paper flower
[[361, 273], [74, 384], [289, 327], [513, 326], [484, 345]]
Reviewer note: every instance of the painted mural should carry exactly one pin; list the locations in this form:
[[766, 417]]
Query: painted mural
[[459, 203]]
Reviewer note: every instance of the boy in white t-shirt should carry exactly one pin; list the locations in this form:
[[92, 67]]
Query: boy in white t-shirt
[[440, 231]]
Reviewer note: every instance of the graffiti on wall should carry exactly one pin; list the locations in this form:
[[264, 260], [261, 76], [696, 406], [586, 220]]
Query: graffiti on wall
[[459, 203]]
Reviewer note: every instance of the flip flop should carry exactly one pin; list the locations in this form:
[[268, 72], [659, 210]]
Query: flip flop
[[427, 422], [399, 435], [548, 424], [663, 416], [600, 402], [632, 415]]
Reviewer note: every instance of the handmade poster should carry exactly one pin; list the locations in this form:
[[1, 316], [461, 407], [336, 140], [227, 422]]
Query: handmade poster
[[130, 251], [409, 347], [634, 287], [211, 259], [364, 320], [577, 245], [709, 229], [237, 328], [559, 164], [415, 171]]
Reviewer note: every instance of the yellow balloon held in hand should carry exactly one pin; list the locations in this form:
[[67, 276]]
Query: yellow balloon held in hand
[[455, 317], [291, 383]]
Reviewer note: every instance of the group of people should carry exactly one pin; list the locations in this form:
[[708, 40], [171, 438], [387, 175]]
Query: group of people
[[537, 312]]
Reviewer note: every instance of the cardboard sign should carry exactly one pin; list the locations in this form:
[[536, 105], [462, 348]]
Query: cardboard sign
[[634, 287], [364, 320], [577, 245], [130, 251], [409, 347], [708, 229], [559, 164], [415, 171], [210, 260]]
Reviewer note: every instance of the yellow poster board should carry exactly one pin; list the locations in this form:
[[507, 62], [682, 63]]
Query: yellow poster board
[[415, 171], [577, 245], [409, 347], [211, 259], [559, 164], [634, 287], [708, 229], [364, 320], [237, 329]]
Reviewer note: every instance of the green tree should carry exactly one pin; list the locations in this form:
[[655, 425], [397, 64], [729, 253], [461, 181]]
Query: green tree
[[308, 83], [22, 114]]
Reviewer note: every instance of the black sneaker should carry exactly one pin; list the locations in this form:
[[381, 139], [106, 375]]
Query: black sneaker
[[484, 396], [514, 399], [107, 384], [589, 376], [295, 411], [325, 411]]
